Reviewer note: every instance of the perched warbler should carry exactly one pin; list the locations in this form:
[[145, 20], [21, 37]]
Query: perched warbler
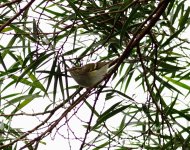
[[89, 74]]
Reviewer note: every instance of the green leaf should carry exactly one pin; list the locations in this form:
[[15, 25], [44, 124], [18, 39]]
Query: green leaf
[[61, 82], [169, 67], [57, 14], [70, 52], [121, 127], [175, 15], [181, 114], [22, 32], [169, 110], [99, 147], [56, 77], [112, 111], [167, 85], [26, 101], [92, 109], [34, 65], [78, 13], [176, 82], [113, 91], [25, 98], [184, 19], [51, 73], [147, 112], [3, 63], [175, 35]]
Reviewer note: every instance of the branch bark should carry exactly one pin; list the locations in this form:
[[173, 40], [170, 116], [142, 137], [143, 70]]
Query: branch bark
[[16, 15]]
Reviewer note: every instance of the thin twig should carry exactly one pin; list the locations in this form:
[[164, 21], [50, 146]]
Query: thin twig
[[9, 3], [16, 15]]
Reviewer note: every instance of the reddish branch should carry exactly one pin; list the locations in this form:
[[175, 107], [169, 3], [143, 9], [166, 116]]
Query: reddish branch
[[16, 15], [9, 3]]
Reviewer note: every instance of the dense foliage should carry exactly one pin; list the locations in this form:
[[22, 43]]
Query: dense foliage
[[143, 101]]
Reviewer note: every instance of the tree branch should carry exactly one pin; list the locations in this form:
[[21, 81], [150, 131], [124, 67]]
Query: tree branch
[[16, 15]]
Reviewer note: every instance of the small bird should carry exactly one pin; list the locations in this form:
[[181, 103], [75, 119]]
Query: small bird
[[89, 74]]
